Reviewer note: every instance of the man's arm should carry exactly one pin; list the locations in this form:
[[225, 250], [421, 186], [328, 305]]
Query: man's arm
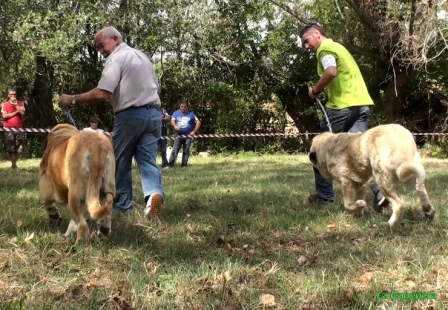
[[95, 95], [197, 126], [330, 72], [326, 78], [6, 115], [173, 123], [166, 118]]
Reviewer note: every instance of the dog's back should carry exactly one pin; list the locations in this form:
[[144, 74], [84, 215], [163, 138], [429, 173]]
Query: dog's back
[[78, 167], [392, 148], [91, 164]]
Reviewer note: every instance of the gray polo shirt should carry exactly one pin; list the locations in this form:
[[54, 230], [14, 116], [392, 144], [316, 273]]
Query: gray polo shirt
[[130, 76]]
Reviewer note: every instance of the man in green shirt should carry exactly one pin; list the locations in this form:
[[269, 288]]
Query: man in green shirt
[[347, 108]]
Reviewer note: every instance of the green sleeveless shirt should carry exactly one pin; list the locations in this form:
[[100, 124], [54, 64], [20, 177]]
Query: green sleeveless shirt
[[348, 88]]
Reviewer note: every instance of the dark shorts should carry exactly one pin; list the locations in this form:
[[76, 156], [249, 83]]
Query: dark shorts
[[14, 141]]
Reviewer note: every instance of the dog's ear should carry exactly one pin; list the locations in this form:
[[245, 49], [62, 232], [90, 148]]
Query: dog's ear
[[313, 158]]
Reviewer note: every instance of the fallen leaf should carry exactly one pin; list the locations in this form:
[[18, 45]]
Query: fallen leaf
[[302, 260], [29, 238], [202, 280], [365, 279], [410, 282], [331, 226], [19, 223], [93, 283], [263, 280], [224, 277], [268, 300], [3, 265]]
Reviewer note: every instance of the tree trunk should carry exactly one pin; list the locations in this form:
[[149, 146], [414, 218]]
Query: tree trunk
[[395, 94], [295, 102], [40, 111]]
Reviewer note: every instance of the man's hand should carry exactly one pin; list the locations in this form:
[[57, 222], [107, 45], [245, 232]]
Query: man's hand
[[313, 94], [65, 100], [20, 110], [192, 134], [177, 128]]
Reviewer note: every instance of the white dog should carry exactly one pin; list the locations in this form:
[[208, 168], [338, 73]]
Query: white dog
[[387, 154]]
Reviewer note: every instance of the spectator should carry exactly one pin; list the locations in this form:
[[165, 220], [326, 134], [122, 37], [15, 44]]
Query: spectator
[[166, 118], [129, 83], [94, 121], [187, 124], [12, 112], [348, 102]]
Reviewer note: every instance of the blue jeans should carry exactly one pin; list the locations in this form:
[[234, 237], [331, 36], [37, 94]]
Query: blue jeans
[[179, 142], [343, 121], [136, 133]]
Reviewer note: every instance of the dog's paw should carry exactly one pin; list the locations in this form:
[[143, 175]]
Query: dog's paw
[[429, 211], [358, 208]]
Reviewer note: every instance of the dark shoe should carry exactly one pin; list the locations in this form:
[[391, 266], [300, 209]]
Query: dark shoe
[[314, 198], [381, 204]]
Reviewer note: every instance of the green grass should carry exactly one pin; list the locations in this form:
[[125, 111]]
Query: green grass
[[233, 229]]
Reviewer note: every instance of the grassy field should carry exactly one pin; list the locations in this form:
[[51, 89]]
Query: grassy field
[[235, 233]]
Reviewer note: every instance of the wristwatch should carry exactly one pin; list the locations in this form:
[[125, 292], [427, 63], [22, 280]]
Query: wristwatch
[[73, 99]]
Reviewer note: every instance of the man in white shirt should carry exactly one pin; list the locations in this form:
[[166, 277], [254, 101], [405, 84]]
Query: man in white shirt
[[129, 83]]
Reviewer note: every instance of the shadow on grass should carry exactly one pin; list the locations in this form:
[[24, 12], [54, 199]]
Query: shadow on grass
[[239, 215]]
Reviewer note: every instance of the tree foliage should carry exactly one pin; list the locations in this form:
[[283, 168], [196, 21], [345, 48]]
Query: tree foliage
[[238, 63]]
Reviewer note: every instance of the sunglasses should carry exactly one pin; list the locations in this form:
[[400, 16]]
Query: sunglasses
[[311, 25]]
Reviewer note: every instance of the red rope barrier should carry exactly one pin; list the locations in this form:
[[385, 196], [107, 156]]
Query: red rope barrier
[[227, 135]]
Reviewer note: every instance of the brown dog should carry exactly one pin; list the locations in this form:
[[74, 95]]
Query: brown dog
[[386, 154], [78, 169]]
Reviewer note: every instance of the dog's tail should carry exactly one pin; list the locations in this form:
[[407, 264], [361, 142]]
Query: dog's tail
[[94, 186], [412, 169]]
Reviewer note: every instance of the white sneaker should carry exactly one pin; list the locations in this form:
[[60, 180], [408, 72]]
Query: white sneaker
[[153, 206]]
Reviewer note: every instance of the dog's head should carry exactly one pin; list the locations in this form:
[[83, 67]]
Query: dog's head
[[316, 146]]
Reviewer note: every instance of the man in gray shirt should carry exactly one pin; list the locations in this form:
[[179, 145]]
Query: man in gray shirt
[[129, 83]]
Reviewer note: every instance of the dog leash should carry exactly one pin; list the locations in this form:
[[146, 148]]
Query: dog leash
[[325, 114], [69, 116], [322, 108]]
